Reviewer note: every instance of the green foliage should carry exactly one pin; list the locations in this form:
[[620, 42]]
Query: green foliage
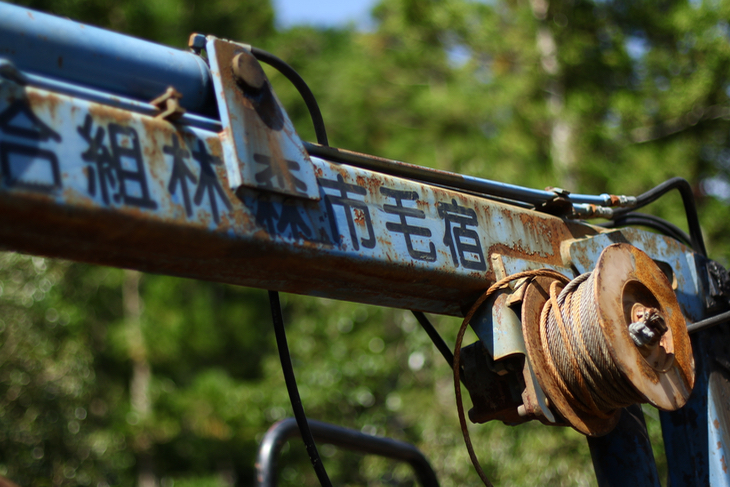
[[168, 21], [598, 96], [56, 424]]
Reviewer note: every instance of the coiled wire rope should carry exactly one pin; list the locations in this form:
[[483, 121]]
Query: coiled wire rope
[[577, 352], [575, 346]]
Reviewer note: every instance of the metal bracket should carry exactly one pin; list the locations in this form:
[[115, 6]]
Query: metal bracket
[[718, 287], [169, 105], [559, 205], [279, 433], [261, 149]]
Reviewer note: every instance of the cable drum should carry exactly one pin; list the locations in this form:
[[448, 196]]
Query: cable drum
[[608, 339]]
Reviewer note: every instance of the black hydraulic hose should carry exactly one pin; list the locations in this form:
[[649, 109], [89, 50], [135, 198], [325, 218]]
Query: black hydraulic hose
[[286, 365], [650, 221], [301, 86], [291, 387], [437, 340], [684, 188]]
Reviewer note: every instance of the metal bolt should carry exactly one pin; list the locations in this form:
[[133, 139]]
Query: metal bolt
[[648, 326], [248, 72], [196, 42]]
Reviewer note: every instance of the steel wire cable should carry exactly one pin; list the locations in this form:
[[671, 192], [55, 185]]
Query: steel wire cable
[[577, 351], [457, 356]]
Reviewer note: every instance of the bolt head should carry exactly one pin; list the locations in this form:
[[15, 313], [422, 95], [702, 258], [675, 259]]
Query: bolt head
[[248, 72], [196, 42]]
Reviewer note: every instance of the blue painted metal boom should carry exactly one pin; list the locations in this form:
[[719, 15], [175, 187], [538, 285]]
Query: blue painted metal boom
[[63, 54], [89, 171]]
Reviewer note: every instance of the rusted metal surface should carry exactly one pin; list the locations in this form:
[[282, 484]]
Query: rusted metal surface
[[678, 262], [497, 323], [169, 105], [262, 149], [248, 72], [89, 182], [626, 276], [115, 63], [535, 404], [695, 437], [647, 328], [582, 204], [97, 184]]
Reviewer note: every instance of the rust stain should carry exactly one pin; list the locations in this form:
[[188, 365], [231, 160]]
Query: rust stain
[[49, 101], [724, 464], [109, 113], [382, 241], [225, 221], [342, 172], [650, 246], [205, 219], [214, 145], [373, 184], [359, 216], [716, 424]]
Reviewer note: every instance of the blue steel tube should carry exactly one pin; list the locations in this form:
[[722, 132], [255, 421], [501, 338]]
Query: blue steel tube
[[624, 457], [96, 58]]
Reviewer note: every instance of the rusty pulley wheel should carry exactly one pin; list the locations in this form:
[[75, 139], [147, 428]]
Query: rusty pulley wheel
[[614, 337]]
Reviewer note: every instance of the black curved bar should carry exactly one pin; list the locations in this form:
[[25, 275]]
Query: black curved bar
[[280, 432]]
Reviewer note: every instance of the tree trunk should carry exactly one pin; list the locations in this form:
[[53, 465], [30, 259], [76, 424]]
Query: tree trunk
[[139, 385], [562, 129]]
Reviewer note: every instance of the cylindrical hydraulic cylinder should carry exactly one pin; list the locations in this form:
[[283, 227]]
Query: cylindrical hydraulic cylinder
[[96, 58]]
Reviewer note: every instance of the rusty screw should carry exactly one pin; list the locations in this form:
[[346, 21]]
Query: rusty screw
[[248, 72]]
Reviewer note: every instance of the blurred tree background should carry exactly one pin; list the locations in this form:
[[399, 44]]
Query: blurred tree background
[[109, 377]]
